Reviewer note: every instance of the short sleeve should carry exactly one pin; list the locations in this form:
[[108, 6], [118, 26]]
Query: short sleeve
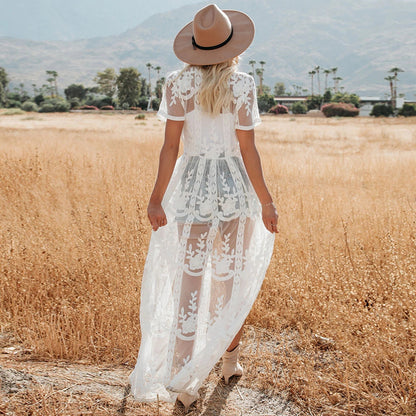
[[171, 106], [248, 115]]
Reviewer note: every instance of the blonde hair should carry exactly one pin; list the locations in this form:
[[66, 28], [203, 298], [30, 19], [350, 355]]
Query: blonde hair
[[215, 94]]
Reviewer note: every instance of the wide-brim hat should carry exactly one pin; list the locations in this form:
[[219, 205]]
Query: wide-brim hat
[[214, 36]]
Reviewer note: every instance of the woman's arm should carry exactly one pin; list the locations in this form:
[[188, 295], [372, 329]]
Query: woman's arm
[[167, 160], [252, 163]]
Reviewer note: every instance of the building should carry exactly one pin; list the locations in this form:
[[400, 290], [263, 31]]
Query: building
[[366, 103]]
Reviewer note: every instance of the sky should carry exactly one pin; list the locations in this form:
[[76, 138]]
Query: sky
[[77, 19]]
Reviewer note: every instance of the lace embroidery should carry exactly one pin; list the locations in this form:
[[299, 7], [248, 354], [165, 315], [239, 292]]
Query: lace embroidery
[[206, 266], [188, 320]]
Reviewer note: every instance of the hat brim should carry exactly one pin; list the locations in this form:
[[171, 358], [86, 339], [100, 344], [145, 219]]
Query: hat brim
[[243, 34]]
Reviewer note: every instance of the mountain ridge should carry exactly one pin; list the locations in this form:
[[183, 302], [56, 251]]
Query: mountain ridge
[[364, 40]]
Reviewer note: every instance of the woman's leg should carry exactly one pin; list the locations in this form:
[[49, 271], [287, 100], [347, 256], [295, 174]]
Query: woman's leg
[[226, 244], [189, 300], [236, 339]]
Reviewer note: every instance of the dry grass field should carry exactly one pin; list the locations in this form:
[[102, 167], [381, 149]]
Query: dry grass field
[[339, 298]]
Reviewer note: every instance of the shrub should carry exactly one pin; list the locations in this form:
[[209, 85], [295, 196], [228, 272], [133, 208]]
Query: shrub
[[314, 102], [265, 102], [88, 107], [299, 108], [98, 100], [143, 101], [13, 104], [408, 110], [155, 103], [279, 109], [140, 117], [382, 110], [47, 108], [75, 91], [345, 97], [29, 106], [39, 99], [74, 102], [107, 107], [340, 110], [62, 106]]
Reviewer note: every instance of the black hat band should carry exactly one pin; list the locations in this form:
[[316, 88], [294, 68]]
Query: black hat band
[[210, 48]]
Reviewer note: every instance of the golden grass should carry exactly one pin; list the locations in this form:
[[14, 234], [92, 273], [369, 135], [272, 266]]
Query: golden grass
[[73, 196]]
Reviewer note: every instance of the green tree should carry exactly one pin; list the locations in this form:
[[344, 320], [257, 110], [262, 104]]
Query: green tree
[[381, 110], [21, 93], [395, 71], [265, 102], [334, 71], [390, 79], [345, 97], [312, 74], [157, 69], [336, 83], [314, 102], [279, 88], [259, 73], [252, 63], [128, 86], [106, 82], [327, 96], [299, 108], [75, 91], [159, 87], [53, 83], [326, 72], [318, 77], [4, 82], [408, 110]]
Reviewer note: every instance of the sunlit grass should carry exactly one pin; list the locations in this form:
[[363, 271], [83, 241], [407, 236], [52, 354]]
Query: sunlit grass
[[73, 196]]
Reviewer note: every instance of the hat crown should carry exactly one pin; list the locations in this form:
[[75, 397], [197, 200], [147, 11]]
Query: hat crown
[[211, 26]]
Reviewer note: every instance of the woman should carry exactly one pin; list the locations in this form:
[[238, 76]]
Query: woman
[[212, 215]]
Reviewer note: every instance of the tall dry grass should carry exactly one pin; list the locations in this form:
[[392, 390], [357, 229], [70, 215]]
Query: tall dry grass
[[73, 195]]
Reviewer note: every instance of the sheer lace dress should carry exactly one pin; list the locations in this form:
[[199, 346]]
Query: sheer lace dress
[[205, 268]]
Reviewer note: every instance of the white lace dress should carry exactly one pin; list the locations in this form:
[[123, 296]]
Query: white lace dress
[[205, 268]]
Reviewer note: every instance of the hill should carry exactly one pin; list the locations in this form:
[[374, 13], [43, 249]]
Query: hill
[[362, 39]]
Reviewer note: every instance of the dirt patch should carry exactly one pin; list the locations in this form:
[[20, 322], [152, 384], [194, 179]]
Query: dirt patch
[[63, 388]]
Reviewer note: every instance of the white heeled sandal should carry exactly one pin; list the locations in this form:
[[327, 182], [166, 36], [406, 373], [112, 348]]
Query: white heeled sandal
[[187, 399], [230, 365]]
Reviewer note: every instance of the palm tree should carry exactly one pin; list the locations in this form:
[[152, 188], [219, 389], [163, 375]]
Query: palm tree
[[390, 79], [53, 82], [326, 72], [311, 74], [262, 63], [317, 68], [395, 71], [252, 63], [336, 82], [157, 69], [259, 72], [149, 67], [334, 71]]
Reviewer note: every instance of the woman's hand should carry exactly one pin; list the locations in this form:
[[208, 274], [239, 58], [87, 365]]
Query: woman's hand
[[270, 217], [156, 215]]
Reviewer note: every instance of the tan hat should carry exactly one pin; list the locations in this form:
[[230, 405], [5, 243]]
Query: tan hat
[[214, 36]]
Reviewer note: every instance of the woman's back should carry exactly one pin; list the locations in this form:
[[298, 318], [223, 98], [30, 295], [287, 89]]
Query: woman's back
[[204, 134]]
